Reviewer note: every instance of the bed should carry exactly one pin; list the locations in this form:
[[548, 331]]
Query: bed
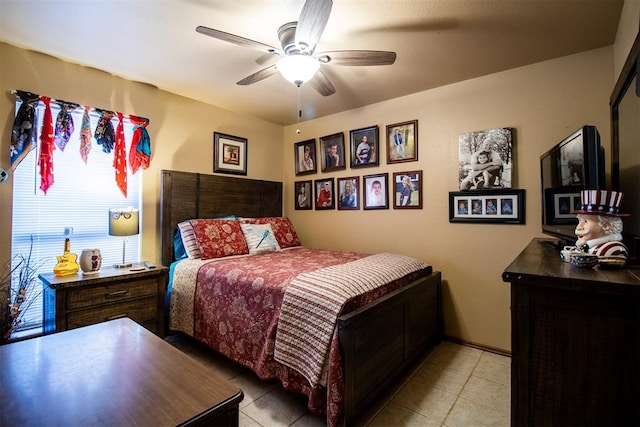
[[376, 340]]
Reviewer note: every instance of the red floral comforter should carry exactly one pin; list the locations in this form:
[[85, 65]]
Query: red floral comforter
[[235, 309]]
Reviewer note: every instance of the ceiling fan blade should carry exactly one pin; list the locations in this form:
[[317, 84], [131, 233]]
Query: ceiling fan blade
[[357, 57], [241, 41], [322, 84], [257, 76], [313, 18]]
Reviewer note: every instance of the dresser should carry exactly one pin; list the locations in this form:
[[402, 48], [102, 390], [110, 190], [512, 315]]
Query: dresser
[[575, 341], [78, 300]]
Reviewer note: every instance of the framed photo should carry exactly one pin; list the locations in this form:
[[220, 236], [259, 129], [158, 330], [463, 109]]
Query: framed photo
[[402, 142], [559, 204], [332, 152], [407, 190], [229, 154], [498, 206], [303, 195], [375, 191], [349, 193], [364, 147], [306, 157], [325, 194], [485, 159]]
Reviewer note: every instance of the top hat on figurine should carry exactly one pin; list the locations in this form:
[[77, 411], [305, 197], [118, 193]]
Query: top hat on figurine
[[600, 202]]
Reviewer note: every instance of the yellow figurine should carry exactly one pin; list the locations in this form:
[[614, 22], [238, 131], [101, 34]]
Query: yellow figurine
[[67, 262]]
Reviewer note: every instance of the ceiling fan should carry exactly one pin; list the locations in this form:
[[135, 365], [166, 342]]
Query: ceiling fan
[[298, 63]]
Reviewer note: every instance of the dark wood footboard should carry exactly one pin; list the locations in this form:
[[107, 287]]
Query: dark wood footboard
[[380, 340]]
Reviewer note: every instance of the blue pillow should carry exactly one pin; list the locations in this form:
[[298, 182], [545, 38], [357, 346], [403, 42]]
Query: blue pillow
[[178, 247]]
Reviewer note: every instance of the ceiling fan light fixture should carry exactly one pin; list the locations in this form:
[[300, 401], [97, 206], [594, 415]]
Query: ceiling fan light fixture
[[298, 69]]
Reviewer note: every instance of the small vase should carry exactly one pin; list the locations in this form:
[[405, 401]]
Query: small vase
[[90, 261]]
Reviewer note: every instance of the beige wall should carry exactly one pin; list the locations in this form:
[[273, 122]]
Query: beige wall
[[181, 129], [544, 102], [627, 30]]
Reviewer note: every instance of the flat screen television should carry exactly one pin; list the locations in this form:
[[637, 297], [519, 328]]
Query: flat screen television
[[576, 163]]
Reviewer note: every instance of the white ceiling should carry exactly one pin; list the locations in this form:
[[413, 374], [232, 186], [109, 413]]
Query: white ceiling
[[438, 42]]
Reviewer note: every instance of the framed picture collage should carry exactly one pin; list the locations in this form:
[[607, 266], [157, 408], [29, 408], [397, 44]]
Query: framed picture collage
[[402, 190], [485, 180]]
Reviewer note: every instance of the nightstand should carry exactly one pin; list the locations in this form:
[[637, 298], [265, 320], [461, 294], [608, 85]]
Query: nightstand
[[81, 300]]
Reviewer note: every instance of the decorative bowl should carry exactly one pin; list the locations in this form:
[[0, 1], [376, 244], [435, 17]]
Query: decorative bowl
[[584, 260], [566, 252]]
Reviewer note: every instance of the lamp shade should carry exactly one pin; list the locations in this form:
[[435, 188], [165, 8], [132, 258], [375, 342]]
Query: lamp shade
[[298, 69], [123, 222]]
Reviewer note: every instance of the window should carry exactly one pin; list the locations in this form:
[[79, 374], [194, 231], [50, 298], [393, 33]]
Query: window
[[80, 198]]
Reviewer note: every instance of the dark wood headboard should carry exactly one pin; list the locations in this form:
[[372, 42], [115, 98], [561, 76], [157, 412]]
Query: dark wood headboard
[[187, 195]]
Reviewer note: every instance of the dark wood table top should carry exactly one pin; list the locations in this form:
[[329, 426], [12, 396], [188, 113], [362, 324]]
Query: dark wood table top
[[541, 260], [113, 373], [105, 275]]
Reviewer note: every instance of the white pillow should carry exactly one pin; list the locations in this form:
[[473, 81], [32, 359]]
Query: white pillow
[[259, 238], [189, 240]]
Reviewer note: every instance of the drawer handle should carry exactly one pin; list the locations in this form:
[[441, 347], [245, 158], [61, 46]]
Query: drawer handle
[[117, 294], [117, 316]]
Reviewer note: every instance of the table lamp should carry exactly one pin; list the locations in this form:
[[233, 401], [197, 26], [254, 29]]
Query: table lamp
[[123, 222]]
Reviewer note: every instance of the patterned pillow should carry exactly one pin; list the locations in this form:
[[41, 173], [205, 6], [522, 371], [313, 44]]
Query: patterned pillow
[[189, 240], [260, 238], [218, 238], [189, 244], [282, 229]]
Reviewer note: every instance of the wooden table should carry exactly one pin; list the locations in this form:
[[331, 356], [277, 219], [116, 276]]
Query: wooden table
[[114, 373]]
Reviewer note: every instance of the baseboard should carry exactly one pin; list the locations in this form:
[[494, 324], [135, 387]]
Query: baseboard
[[478, 346]]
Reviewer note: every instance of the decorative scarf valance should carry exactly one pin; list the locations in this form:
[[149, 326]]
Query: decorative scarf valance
[[58, 132]]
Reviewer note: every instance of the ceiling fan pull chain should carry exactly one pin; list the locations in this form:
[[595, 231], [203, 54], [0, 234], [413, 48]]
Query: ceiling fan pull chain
[[299, 109]]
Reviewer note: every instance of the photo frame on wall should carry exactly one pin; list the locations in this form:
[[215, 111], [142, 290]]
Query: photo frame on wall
[[407, 189], [349, 193], [485, 159], [305, 155], [497, 206], [402, 142], [303, 195], [229, 154], [375, 188], [332, 152], [365, 149], [325, 194], [560, 203]]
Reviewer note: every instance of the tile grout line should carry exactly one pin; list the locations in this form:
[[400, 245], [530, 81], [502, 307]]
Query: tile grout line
[[461, 388]]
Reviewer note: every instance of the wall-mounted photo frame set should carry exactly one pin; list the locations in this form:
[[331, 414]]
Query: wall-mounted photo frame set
[[375, 188], [349, 193], [496, 206], [306, 159], [332, 152], [407, 190], [324, 194], [402, 142], [365, 148], [303, 195], [229, 154]]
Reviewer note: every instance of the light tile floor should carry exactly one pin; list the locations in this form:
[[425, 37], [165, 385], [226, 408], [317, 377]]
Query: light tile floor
[[453, 386]]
